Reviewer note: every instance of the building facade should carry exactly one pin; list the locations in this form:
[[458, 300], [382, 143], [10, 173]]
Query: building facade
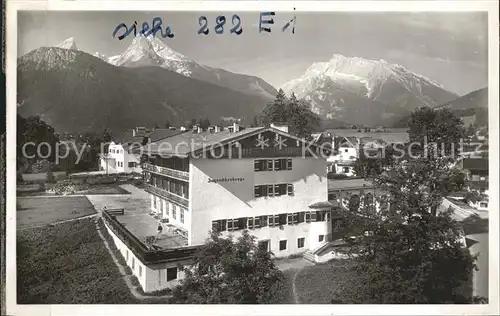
[[118, 159], [266, 190]]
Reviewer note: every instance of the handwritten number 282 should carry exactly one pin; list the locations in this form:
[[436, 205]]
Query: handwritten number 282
[[219, 26]]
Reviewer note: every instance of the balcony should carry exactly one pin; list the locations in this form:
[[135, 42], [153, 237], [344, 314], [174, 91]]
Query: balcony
[[178, 174], [166, 195]]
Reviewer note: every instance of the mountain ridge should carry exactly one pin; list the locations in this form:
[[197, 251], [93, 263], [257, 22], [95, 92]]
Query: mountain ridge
[[336, 89]]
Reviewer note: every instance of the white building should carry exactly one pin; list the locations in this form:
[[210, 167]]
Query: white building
[[119, 156], [118, 159], [261, 179]]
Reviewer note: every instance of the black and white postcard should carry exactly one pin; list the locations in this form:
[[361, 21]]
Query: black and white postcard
[[178, 157]]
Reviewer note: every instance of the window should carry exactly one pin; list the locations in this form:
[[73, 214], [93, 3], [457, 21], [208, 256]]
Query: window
[[258, 191], [270, 190], [277, 164], [133, 263], [308, 217], [219, 225], [483, 204], [289, 164], [273, 220], [232, 224], [293, 218], [174, 211], [171, 274], [345, 170], [321, 238], [140, 270], [257, 222], [251, 223], [300, 242], [182, 216], [290, 189], [332, 196], [270, 165], [127, 255], [346, 150], [264, 245], [301, 217], [263, 221], [282, 245], [154, 202]]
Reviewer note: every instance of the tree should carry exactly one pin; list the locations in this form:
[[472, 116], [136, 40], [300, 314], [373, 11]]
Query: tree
[[292, 112], [33, 129], [205, 123], [231, 272], [407, 251], [441, 127]]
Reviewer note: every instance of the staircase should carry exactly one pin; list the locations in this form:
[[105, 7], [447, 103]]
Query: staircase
[[310, 255]]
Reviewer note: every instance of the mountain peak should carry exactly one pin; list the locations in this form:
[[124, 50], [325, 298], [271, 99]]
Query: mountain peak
[[68, 43]]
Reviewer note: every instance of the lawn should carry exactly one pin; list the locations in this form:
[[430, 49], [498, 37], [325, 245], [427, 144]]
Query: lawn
[[67, 264], [39, 211], [321, 283]]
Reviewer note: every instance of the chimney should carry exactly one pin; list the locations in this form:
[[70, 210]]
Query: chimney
[[236, 127], [197, 129], [283, 128]]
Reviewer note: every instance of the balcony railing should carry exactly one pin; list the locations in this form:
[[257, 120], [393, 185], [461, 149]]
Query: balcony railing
[[178, 174], [166, 195], [145, 254]]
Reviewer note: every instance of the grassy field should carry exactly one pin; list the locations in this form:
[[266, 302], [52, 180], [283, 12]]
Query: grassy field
[[321, 283], [42, 211], [67, 264]]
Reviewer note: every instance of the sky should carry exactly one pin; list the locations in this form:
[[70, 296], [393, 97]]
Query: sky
[[450, 48]]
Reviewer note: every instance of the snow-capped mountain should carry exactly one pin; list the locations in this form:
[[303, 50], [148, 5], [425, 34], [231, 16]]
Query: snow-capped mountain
[[101, 56], [68, 43], [152, 51], [362, 91], [75, 91]]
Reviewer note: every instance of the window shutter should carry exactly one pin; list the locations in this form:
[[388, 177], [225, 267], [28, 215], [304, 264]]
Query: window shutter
[[308, 217], [256, 165], [270, 190], [290, 189], [257, 222], [289, 164], [277, 165], [270, 165], [257, 191], [290, 219], [295, 218], [313, 216], [250, 223]]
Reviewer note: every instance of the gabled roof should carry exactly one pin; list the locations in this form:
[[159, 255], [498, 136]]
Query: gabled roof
[[186, 143]]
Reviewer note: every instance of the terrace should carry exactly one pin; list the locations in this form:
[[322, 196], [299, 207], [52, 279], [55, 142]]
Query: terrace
[[134, 227]]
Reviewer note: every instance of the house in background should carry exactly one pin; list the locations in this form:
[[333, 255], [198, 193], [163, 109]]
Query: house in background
[[119, 157]]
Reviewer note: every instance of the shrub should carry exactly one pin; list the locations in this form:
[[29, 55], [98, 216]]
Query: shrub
[[128, 271], [135, 281]]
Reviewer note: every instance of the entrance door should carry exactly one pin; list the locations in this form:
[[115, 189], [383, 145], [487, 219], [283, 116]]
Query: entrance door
[[264, 244]]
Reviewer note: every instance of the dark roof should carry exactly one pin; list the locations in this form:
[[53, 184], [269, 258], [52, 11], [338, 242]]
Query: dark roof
[[161, 133], [349, 184], [392, 136], [319, 205], [475, 164], [185, 143]]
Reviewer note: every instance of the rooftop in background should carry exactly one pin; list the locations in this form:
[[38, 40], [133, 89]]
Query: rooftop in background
[[474, 164], [349, 184], [392, 135], [137, 136]]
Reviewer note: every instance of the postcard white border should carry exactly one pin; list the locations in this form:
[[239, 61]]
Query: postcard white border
[[321, 6]]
